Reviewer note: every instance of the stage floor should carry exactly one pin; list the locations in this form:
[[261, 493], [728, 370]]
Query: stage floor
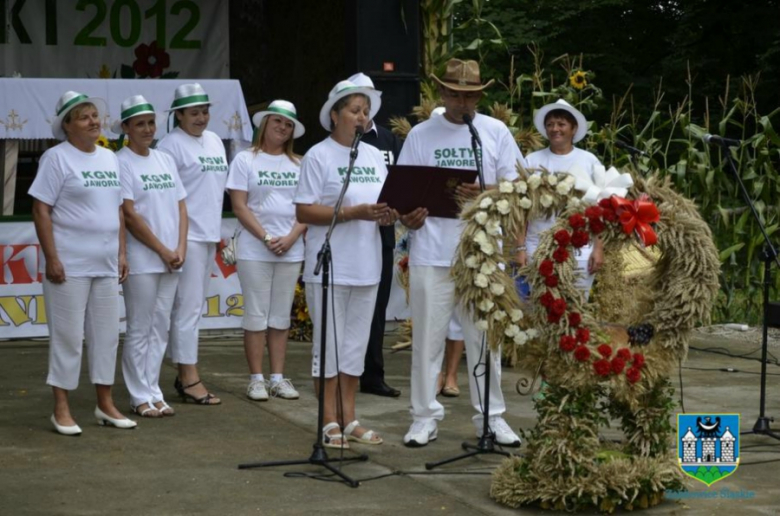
[[188, 464]]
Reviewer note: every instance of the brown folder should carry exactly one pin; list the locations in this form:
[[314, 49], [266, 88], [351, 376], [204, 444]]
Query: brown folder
[[410, 187]]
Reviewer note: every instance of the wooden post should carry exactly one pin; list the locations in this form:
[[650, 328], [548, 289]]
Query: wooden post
[[9, 152]]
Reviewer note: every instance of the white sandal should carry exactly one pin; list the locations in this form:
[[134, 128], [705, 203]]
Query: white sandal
[[150, 408], [165, 410], [366, 438], [327, 438]]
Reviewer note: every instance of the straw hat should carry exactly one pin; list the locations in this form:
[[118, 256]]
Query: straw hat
[[66, 103], [132, 106], [189, 95], [343, 89], [285, 109], [582, 123], [462, 76]]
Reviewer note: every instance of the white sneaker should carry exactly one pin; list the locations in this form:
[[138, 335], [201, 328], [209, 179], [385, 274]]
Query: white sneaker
[[420, 433], [284, 389], [256, 391], [505, 436]]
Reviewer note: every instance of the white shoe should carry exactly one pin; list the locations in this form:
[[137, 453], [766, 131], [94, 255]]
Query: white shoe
[[65, 430], [420, 433], [284, 389], [256, 391], [104, 419], [505, 436]]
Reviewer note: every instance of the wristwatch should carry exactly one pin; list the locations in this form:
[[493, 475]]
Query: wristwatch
[[267, 238]]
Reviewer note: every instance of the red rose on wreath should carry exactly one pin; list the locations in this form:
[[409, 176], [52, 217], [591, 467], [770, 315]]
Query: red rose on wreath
[[583, 335], [562, 237], [593, 212], [575, 319], [546, 267], [618, 364], [633, 375], [558, 307], [582, 353], [597, 226], [568, 343], [547, 300], [561, 255], [577, 221], [150, 60], [607, 211], [602, 367], [639, 360], [551, 281], [580, 239], [624, 353]]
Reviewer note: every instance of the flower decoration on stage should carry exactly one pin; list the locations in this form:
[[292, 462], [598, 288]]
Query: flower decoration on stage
[[578, 80], [301, 328], [635, 216], [600, 183], [151, 61]]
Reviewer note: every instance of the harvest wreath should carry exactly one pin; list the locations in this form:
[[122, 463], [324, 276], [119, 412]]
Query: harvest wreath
[[593, 375]]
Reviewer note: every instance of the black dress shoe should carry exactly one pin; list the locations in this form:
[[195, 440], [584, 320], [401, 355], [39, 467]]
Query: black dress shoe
[[381, 389]]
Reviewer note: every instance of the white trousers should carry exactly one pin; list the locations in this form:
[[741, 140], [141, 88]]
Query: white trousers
[[350, 312], [188, 305], [79, 308], [269, 290], [432, 297], [148, 304]]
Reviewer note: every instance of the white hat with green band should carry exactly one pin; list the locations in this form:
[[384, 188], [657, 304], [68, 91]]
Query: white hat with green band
[[189, 95], [66, 103], [282, 108], [132, 106], [346, 88]]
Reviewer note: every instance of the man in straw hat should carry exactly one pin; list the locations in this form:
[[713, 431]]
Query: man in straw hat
[[445, 141]]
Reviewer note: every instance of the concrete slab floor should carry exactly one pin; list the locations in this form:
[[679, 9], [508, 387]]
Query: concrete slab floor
[[187, 465]]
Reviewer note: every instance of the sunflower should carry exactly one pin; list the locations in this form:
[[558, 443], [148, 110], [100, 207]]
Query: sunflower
[[103, 141], [578, 80]]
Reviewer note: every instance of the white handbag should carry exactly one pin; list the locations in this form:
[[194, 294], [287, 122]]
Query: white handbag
[[230, 251]]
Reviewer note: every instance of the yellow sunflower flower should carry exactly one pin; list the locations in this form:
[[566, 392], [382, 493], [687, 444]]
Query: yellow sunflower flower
[[578, 80], [103, 141]]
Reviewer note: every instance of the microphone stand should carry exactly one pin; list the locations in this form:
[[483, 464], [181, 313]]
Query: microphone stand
[[324, 261], [487, 443], [768, 255]]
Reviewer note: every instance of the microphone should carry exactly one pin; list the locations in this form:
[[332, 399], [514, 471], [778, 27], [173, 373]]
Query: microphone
[[359, 130], [719, 140], [633, 150], [472, 129]]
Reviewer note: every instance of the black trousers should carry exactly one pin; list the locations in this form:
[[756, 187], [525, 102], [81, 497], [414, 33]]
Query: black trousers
[[374, 369]]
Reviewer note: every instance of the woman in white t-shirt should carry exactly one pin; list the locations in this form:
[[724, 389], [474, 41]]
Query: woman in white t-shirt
[[356, 253], [200, 159], [563, 126], [262, 182], [78, 220], [156, 221]]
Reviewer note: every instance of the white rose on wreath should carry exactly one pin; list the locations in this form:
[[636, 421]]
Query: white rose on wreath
[[499, 315], [486, 203], [516, 314], [506, 187], [546, 200], [563, 188], [472, 262], [481, 281], [487, 248], [532, 333], [521, 338], [521, 187], [512, 330], [534, 181], [481, 325], [481, 217], [552, 179], [497, 289], [525, 203], [503, 207], [486, 305], [494, 226], [487, 268], [480, 237]]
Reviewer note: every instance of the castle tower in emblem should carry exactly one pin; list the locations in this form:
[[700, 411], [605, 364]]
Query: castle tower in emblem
[[689, 446], [708, 451], [727, 446]]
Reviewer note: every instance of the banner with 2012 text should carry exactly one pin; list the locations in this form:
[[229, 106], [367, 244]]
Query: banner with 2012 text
[[22, 311], [119, 39]]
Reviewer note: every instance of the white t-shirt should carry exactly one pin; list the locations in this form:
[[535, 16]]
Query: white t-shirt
[[557, 163], [153, 185], [203, 168], [270, 182], [84, 191], [440, 143], [355, 245]]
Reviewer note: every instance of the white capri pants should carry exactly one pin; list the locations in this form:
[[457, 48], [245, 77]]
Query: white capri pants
[[148, 304], [455, 328], [188, 305], [352, 309], [432, 298], [79, 308], [269, 290]]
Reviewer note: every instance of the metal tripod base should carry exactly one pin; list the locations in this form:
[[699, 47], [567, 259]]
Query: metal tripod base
[[762, 428], [485, 445], [318, 458]]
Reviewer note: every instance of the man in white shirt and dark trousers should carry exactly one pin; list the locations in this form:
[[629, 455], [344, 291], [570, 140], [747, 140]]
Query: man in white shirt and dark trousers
[[445, 141], [373, 379]]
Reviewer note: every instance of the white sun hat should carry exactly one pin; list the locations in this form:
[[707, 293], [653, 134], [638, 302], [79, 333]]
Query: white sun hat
[[66, 103], [363, 80], [132, 106], [189, 95], [282, 108], [343, 89], [582, 123]]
